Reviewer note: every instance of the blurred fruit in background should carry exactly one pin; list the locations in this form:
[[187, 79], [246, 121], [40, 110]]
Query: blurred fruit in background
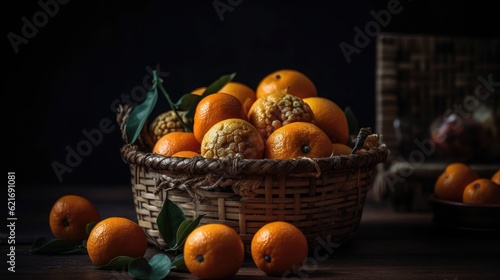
[[482, 191], [467, 136], [451, 183]]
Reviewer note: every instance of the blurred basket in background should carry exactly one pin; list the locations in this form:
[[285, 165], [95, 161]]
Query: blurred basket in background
[[322, 197], [421, 83]]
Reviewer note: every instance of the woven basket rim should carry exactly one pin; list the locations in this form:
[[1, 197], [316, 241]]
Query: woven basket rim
[[134, 154], [235, 166]]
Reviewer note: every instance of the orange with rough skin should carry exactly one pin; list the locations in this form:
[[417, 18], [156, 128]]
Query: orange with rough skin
[[166, 122], [245, 94], [330, 118], [298, 139], [70, 215], [287, 81], [214, 108], [278, 247], [482, 191], [114, 237], [277, 109], [496, 177], [341, 149], [186, 154], [176, 141], [213, 251], [233, 138], [452, 181]]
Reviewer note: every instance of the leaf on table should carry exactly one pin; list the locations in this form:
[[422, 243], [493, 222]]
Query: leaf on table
[[169, 220], [184, 230], [90, 226], [178, 263], [161, 265], [139, 268], [157, 268], [44, 245], [117, 263]]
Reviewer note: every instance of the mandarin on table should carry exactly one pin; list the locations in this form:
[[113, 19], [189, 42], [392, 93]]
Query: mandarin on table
[[213, 251], [278, 247], [287, 81], [114, 237], [482, 191], [70, 215], [452, 181], [298, 139], [330, 118], [232, 138], [277, 109], [214, 108]]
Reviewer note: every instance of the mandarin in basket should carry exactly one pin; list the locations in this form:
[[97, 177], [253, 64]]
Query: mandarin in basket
[[166, 122], [199, 90], [114, 237], [186, 154], [278, 247], [233, 138], [213, 251], [277, 109], [330, 118], [176, 141], [341, 149], [70, 215], [482, 191], [214, 108], [298, 139], [452, 181], [287, 81], [244, 93]]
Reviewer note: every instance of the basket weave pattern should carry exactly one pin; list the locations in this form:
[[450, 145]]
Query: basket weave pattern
[[322, 197]]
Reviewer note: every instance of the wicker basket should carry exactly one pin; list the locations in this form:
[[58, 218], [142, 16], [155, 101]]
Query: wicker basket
[[322, 197]]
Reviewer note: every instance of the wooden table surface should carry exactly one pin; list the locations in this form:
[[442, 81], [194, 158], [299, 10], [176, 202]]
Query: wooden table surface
[[388, 245]]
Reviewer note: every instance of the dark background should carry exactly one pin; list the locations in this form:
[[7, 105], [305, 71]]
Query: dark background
[[64, 80]]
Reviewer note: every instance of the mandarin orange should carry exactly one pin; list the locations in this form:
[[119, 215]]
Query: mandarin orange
[[298, 139], [288, 81]]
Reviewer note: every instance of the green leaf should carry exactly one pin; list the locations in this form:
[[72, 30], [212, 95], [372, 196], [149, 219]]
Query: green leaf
[[90, 226], [178, 263], [161, 265], [118, 263], [187, 101], [212, 88], [169, 220], [44, 245], [184, 230], [140, 113], [187, 126], [139, 268], [156, 269], [352, 121]]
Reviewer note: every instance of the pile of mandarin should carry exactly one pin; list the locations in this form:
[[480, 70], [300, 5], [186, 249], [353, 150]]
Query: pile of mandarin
[[282, 118]]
